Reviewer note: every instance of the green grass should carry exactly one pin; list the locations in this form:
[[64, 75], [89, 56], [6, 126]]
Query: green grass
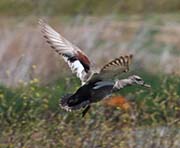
[[30, 115]]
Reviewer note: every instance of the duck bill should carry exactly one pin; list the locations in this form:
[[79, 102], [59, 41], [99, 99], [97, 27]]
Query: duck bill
[[146, 85]]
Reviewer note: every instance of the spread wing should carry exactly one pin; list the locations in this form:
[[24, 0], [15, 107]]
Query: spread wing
[[76, 59], [121, 64], [114, 68]]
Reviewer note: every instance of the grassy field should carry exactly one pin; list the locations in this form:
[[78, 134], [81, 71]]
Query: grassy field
[[31, 87], [30, 117]]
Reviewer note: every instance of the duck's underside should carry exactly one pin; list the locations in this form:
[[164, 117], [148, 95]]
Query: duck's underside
[[86, 95], [66, 106], [64, 103]]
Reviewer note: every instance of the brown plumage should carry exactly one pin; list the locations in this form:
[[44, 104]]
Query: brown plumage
[[122, 61]]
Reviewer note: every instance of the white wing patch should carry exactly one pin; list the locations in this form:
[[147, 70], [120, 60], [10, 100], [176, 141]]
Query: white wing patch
[[76, 67]]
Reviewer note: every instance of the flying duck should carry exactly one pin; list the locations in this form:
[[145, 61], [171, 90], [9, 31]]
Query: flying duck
[[96, 84]]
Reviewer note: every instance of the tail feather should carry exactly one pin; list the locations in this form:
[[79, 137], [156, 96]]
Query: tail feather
[[66, 103]]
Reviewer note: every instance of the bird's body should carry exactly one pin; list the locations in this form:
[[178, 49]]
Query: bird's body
[[96, 91], [96, 84], [87, 94]]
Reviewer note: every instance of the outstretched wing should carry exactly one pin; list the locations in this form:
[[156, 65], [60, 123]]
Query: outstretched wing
[[122, 64], [114, 68], [76, 59]]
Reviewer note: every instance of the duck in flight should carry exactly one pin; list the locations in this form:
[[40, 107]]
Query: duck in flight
[[96, 84]]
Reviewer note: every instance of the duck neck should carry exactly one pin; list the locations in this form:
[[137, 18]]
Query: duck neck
[[122, 83]]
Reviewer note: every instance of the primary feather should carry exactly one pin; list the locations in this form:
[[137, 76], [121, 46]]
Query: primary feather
[[76, 59], [113, 68]]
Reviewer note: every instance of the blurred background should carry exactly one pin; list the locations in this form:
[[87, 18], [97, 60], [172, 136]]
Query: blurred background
[[33, 77]]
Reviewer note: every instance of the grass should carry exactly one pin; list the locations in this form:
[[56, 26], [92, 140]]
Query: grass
[[86, 7], [30, 117]]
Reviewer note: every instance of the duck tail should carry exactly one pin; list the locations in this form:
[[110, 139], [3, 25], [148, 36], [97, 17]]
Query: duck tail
[[64, 102], [68, 103]]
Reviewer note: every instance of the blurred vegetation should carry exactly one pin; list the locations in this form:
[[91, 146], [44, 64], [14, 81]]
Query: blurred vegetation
[[30, 116], [86, 7]]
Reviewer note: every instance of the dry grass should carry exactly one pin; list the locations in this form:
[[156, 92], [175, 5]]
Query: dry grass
[[22, 45]]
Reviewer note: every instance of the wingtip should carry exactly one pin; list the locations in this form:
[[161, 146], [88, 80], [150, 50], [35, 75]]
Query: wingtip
[[42, 22], [42, 25]]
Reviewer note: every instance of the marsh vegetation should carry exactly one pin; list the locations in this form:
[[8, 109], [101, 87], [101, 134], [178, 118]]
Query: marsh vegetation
[[33, 78]]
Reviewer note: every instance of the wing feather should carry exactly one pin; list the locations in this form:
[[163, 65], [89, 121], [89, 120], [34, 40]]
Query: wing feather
[[122, 63], [76, 59], [113, 68]]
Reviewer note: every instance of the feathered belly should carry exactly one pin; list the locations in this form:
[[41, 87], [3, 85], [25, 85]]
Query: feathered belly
[[101, 94], [64, 103]]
